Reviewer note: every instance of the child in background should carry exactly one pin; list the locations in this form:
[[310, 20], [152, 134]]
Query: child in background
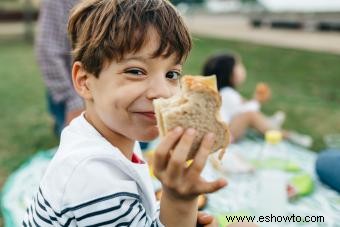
[[126, 54], [239, 113]]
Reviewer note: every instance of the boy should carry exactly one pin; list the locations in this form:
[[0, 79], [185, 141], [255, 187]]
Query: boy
[[126, 54]]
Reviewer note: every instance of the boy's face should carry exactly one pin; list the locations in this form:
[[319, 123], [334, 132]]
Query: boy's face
[[121, 98]]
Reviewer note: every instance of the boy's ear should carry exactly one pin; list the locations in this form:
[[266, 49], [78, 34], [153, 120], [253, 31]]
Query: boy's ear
[[80, 81]]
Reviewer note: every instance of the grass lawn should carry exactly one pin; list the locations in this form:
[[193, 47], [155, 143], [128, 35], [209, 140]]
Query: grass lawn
[[305, 85], [25, 124]]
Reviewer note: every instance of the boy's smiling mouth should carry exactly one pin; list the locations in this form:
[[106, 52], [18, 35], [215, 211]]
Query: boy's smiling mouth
[[149, 115]]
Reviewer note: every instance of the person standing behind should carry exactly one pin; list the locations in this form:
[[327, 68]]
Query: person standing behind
[[53, 52]]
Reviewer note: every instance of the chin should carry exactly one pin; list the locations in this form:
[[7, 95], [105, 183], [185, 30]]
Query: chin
[[148, 135]]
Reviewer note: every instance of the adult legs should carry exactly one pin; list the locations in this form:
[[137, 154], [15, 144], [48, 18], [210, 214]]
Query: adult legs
[[57, 110]]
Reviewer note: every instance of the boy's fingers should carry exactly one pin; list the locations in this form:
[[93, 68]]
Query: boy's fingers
[[209, 187], [204, 218], [163, 149], [202, 154], [179, 156]]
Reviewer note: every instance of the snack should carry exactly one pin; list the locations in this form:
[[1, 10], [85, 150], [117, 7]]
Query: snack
[[262, 92], [197, 106]]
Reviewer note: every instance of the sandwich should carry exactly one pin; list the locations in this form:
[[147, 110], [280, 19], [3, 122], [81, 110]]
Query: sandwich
[[196, 106]]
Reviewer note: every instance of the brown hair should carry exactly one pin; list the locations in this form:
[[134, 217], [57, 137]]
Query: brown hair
[[106, 30]]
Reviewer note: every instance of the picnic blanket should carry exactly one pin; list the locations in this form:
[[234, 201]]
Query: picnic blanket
[[236, 199]]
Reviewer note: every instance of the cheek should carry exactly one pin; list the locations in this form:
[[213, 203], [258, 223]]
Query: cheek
[[242, 78], [126, 96], [175, 89], [238, 78], [243, 74]]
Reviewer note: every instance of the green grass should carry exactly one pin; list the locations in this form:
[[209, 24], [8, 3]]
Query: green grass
[[305, 85], [25, 124]]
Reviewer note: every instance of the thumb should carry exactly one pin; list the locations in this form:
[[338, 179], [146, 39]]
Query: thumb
[[209, 187], [204, 218]]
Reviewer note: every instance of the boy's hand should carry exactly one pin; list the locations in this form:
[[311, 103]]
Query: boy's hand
[[206, 220], [181, 182]]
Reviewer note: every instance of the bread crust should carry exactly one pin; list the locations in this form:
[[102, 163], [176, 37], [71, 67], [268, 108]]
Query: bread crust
[[187, 110], [198, 84]]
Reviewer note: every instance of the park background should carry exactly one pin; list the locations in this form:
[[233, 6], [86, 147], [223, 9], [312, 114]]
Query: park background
[[296, 52]]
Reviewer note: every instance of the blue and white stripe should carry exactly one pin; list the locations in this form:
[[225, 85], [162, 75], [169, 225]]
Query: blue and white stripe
[[119, 209]]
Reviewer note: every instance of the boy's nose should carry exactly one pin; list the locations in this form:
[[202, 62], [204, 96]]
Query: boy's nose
[[160, 88]]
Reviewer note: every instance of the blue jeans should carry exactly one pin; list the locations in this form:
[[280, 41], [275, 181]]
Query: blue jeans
[[328, 168], [57, 110]]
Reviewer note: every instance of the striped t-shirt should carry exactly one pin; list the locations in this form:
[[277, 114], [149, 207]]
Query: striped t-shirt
[[91, 183]]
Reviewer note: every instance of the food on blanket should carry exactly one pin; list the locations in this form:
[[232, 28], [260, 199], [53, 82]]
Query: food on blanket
[[291, 191], [302, 185], [202, 199], [197, 106], [262, 92]]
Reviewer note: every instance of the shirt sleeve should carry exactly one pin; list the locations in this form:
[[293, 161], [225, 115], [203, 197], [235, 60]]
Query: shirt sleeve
[[231, 101], [232, 104], [250, 106], [54, 53], [98, 193]]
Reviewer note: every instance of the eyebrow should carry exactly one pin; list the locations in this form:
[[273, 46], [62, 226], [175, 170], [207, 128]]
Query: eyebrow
[[144, 59], [136, 58]]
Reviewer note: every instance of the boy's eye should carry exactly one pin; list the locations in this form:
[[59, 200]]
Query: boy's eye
[[137, 72], [173, 75]]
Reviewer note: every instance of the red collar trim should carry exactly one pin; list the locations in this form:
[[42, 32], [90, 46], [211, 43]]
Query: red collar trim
[[136, 160]]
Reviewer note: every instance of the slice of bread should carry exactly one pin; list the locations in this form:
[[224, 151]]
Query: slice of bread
[[197, 106]]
